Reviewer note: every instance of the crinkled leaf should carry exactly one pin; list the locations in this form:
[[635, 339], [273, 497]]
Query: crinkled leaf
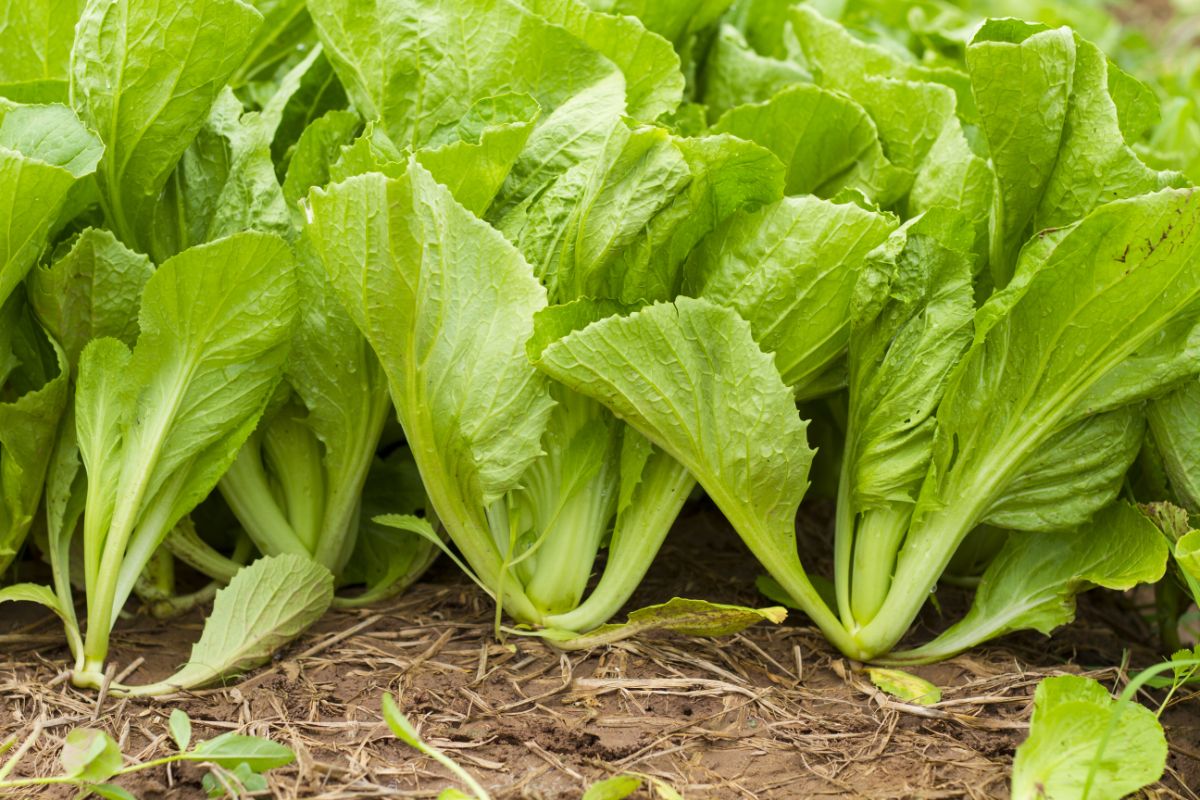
[[717, 405], [492, 135], [653, 81], [1053, 132], [736, 74], [266, 605], [316, 151], [790, 271], [911, 105], [94, 290], [226, 181], [418, 66], [146, 103], [910, 323], [621, 226], [1043, 342], [447, 304]]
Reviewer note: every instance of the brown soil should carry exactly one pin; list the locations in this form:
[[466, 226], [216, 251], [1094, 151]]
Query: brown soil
[[770, 713]]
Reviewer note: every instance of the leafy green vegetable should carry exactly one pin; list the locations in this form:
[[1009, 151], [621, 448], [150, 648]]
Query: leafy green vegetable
[[130, 85], [751, 456], [215, 323]]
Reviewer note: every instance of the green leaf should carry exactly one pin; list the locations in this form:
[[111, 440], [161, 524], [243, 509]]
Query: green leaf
[[1022, 77], [1071, 717], [90, 756], [790, 269], [400, 725], [910, 323], [181, 728], [617, 787], [736, 74], [1032, 582], [285, 31], [905, 685], [695, 406], [407, 733], [110, 791], [93, 291], [146, 103], [30, 593], [653, 82], [447, 304], [316, 151], [44, 152], [1174, 421], [412, 66], [1076, 473], [910, 104], [266, 605], [1053, 132], [231, 750], [35, 40], [1187, 554], [492, 135], [296, 485], [675, 20], [826, 140], [33, 396], [620, 227], [226, 181], [216, 783], [678, 615]]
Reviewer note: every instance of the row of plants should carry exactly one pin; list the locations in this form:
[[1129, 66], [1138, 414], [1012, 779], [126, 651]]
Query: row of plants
[[296, 296]]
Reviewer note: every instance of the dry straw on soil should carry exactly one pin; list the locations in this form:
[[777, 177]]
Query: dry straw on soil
[[771, 713]]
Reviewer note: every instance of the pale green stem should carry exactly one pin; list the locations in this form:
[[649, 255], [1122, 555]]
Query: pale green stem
[[878, 539], [640, 531]]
